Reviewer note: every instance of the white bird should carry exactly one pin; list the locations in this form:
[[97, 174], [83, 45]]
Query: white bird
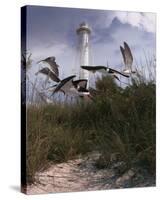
[[81, 87], [65, 86], [52, 63], [127, 58], [105, 70], [69, 86]]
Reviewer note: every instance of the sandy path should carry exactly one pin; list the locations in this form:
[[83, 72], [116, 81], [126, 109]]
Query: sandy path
[[78, 175], [75, 175]]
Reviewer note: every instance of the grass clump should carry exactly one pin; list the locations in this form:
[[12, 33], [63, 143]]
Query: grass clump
[[119, 123]]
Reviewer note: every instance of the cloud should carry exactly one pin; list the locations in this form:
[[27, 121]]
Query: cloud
[[105, 44], [143, 21], [52, 32]]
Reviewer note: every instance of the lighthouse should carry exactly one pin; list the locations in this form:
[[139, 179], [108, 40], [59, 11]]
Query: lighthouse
[[83, 33]]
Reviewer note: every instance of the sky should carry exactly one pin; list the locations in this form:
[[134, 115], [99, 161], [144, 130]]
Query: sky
[[51, 31]]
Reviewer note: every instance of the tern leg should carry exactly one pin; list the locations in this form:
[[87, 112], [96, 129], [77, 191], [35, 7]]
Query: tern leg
[[120, 82], [116, 77]]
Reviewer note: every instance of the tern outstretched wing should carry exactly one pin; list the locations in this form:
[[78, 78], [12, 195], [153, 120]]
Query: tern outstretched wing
[[52, 63], [94, 68], [49, 73], [64, 85], [123, 54], [127, 56], [117, 72]]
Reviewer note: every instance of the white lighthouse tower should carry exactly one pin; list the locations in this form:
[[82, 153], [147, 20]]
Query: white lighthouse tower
[[84, 32]]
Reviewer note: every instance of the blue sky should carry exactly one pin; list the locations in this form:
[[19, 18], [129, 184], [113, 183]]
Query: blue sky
[[51, 31]]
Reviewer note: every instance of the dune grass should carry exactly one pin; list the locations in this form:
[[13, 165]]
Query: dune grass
[[120, 121]]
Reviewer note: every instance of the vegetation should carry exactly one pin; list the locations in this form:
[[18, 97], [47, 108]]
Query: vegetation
[[119, 123]]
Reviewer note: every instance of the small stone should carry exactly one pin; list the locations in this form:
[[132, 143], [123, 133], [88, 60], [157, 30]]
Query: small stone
[[131, 173], [119, 181], [125, 177]]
